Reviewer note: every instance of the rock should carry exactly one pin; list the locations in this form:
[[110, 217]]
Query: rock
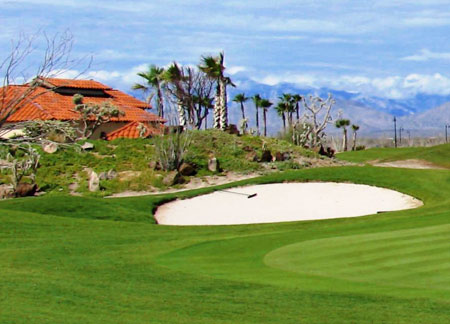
[[266, 156], [213, 165], [111, 175], [187, 169], [6, 191], [252, 157], [232, 129], [154, 165], [248, 149], [94, 182], [87, 146], [25, 189], [102, 176], [50, 148], [278, 157], [286, 156], [173, 178]]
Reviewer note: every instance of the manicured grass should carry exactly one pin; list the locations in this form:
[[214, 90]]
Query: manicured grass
[[90, 260], [439, 154]]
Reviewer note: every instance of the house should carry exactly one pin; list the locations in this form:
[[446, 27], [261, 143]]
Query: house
[[53, 100]]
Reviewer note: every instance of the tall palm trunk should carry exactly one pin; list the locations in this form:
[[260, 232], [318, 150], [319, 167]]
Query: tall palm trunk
[[160, 103], [265, 121], [283, 117], [354, 141], [223, 105], [217, 108], [242, 110], [257, 121], [181, 115], [297, 109], [344, 140]]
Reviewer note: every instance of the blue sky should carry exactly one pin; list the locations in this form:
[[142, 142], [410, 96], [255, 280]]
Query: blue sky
[[386, 48]]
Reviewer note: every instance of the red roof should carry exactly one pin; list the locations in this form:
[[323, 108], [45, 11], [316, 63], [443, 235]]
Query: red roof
[[133, 130], [46, 104], [79, 84]]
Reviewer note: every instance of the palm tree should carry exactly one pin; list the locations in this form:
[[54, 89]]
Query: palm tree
[[355, 128], [241, 98], [265, 104], [343, 123], [297, 99], [288, 100], [257, 101], [281, 110], [154, 78], [214, 68], [174, 75]]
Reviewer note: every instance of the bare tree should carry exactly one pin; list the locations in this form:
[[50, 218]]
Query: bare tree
[[317, 116], [15, 68]]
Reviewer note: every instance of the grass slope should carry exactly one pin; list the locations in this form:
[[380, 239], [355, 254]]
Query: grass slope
[[438, 155], [76, 264]]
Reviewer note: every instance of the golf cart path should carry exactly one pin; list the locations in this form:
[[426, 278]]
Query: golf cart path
[[283, 202]]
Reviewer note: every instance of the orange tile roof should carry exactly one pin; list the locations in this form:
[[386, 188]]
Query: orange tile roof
[[132, 130], [79, 84], [46, 104]]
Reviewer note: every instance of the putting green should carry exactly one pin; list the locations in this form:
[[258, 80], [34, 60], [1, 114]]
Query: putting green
[[415, 258]]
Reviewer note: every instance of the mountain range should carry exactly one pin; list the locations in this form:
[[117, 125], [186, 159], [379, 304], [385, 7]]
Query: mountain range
[[421, 115]]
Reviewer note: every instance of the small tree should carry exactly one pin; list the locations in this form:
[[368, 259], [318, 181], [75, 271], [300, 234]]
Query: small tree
[[154, 78], [355, 128], [14, 69], [257, 101], [317, 116], [94, 115], [240, 98], [343, 123], [265, 104]]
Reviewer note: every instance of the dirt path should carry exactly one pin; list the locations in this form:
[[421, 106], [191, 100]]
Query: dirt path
[[409, 164]]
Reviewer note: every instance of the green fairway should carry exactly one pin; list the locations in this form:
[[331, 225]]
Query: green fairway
[[438, 155], [91, 260]]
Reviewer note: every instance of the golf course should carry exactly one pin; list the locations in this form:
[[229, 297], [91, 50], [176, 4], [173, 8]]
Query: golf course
[[75, 259]]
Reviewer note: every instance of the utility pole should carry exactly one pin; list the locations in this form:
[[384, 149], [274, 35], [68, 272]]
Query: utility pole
[[395, 132], [447, 126]]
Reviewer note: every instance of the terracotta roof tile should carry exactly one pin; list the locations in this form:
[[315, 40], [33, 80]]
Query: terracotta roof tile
[[79, 84], [46, 104], [132, 130]]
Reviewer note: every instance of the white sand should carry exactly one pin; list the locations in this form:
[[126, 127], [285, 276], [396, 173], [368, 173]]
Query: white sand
[[283, 202]]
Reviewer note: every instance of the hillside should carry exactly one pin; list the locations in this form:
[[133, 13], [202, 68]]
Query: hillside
[[132, 165]]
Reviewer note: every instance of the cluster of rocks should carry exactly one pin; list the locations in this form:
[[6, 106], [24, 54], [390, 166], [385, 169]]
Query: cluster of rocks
[[95, 178], [22, 190], [266, 156]]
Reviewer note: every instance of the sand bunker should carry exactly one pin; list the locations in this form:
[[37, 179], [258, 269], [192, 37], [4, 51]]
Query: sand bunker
[[283, 202]]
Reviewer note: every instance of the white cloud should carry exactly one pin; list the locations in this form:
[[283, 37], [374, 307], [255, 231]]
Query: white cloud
[[426, 55], [395, 87]]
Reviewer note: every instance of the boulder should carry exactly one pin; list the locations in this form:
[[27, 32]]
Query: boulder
[[286, 156], [252, 157], [187, 169], [278, 157], [111, 174], [102, 176], [50, 148], [25, 189], [232, 129], [154, 165], [87, 146], [94, 182], [6, 191], [173, 178], [266, 156], [213, 165]]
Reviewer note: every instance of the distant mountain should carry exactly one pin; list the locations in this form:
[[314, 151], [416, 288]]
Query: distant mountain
[[423, 114]]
